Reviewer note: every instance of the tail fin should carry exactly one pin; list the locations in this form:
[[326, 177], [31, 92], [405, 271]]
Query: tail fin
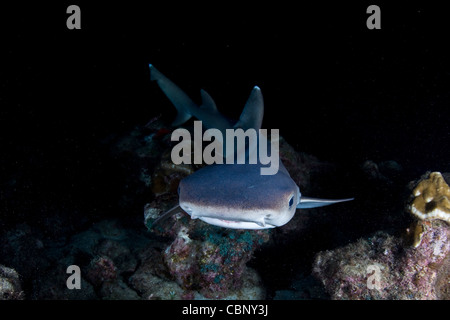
[[178, 98], [306, 203]]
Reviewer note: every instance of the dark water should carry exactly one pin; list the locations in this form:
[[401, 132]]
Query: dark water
[[335, 90]]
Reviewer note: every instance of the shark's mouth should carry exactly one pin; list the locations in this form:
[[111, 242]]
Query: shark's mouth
[[235, 224], [228, 223]]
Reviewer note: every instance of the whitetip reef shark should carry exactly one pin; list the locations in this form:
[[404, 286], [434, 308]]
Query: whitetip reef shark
[[233, 196]]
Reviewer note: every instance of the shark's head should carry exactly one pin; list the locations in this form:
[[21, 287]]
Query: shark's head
[[239, 197]]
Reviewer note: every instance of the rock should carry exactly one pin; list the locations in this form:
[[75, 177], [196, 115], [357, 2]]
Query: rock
[[101, 269], [10, 285], [401, 271], [214, 263]]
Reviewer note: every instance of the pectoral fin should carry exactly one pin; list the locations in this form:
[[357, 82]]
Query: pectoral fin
[[306, 203], [166, 215]]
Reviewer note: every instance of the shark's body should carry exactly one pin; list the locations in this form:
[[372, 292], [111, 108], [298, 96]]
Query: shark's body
[[234, 195]]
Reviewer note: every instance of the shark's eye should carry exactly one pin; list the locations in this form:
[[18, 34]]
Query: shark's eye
[[291, 201], [178, 190]]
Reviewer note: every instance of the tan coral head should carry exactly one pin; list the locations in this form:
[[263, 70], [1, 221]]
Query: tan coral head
[[432, 199]]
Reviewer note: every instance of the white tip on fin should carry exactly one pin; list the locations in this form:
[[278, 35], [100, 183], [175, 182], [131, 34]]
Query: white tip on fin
[[155, 75], [252, 115]]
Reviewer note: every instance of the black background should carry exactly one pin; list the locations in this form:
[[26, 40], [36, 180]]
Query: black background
[[334, 88]]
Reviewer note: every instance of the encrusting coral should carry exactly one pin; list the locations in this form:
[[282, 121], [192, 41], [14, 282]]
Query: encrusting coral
[[430, 202], [432, 199]]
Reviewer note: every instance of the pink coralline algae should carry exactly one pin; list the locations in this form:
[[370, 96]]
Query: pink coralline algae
[[215, 262], [100, 270], [390, 267]]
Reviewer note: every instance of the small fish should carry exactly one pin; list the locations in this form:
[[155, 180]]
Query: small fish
[[233, 196]]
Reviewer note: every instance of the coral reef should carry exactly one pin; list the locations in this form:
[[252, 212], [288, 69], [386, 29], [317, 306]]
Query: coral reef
[[127, 263], [403, 272], [106, 258], [101, 269], [415, 265], [214, 263], [179, 278], [179, 258], [204, 258]]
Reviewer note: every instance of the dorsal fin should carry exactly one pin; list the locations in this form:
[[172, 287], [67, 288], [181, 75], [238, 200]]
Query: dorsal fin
[[252, 115], [207, 102]]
